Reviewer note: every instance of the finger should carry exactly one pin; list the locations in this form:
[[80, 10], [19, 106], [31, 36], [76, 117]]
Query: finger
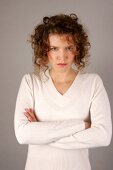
[[30, 117], [27, 115], [32, 113], [30, 110]]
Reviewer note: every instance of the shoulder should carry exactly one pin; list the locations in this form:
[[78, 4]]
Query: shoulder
[[91, 79], [27, 79], [91, 76], [31, 80]]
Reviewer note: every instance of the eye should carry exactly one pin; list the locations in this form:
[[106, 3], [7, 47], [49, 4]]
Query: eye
[[70, 48], [53, 49]]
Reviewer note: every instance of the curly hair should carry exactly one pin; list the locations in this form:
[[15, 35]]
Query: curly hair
[[59, 24]]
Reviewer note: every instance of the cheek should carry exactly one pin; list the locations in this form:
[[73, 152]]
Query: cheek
[[73, 55], [51, 58], [71, 58]]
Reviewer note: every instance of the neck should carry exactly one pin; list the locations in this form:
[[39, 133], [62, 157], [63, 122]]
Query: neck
[[62, 77]]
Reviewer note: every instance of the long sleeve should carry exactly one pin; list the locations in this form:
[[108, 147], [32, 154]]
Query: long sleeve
[[39, 132], [100, 132]]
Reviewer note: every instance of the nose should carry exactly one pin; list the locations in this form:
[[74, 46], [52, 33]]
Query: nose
[[62, 56]]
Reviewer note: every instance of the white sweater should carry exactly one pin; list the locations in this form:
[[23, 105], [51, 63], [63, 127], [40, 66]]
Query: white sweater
[[59, 141]]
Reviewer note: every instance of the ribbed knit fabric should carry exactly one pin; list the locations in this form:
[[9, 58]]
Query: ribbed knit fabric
[[59, 141]]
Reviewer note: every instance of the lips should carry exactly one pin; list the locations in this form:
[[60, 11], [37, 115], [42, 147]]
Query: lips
[[61, 64]]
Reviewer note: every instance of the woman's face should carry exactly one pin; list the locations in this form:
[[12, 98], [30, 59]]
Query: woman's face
[[62, 52]]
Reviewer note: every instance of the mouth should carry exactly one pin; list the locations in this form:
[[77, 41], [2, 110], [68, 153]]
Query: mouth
[[62, 64]]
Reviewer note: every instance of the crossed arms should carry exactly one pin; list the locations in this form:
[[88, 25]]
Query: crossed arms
[[66, 134]]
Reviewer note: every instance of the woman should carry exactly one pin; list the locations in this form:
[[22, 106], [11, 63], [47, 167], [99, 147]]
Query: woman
[[61, 111]]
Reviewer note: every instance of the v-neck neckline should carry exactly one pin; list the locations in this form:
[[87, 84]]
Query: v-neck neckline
[[68, 91]]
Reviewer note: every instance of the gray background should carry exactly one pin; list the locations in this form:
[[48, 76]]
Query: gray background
[[17, 20]]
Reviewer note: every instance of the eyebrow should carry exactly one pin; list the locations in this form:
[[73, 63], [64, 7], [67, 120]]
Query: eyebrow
[[66, 46]]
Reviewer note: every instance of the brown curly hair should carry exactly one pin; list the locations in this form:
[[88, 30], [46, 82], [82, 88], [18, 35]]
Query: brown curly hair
[[59, 24]]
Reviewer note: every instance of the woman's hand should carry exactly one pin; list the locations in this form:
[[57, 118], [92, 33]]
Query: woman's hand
[[87, 125], [31, 116]]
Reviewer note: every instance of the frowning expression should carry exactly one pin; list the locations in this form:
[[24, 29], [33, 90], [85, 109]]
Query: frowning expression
[[62, 51]]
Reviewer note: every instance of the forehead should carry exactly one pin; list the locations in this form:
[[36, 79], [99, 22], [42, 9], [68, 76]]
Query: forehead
[[55, 39]]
